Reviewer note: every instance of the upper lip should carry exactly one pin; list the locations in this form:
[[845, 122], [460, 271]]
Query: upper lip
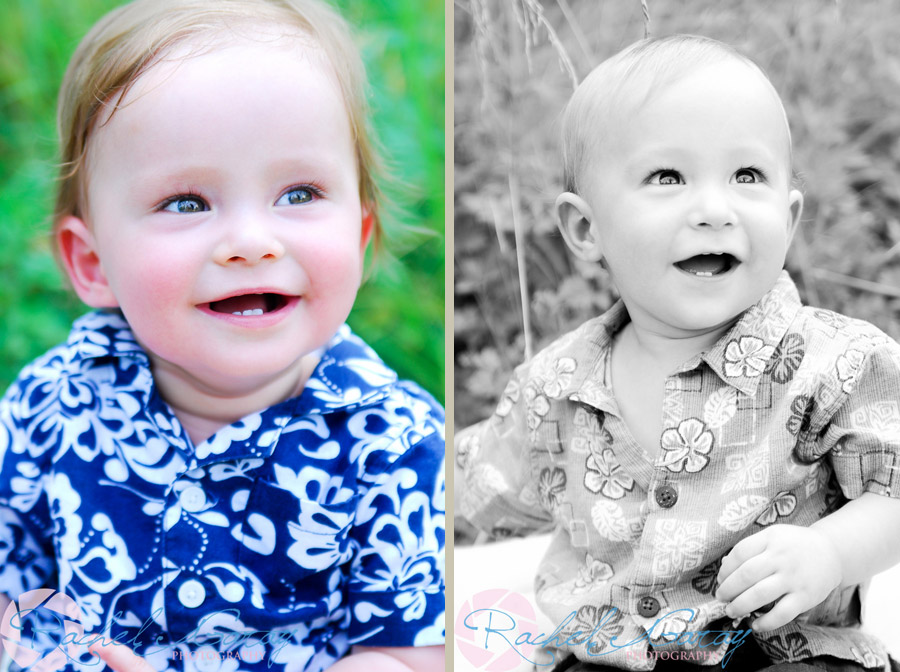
[[699, 253], [246, 292]]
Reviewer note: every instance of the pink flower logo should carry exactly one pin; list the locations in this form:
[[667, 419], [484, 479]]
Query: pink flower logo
[[487, 626], [64, 609]]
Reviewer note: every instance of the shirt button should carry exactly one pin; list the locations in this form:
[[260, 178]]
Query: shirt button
[[192, 593], [192, 499], [648, 607], [666, 496]]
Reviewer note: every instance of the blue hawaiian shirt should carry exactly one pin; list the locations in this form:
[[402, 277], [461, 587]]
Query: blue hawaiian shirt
[[275, 544]]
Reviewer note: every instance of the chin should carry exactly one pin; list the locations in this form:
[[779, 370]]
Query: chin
[[709, 321], [236, 372]]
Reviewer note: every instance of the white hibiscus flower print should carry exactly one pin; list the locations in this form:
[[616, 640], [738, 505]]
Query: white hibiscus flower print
[[606, 476], [686, 448], [747, 357], [848, 368]]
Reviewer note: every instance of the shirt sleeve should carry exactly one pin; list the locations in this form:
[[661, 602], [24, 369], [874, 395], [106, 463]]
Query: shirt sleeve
[[396, 590], [501, 491], [863, 436], [26, 547]]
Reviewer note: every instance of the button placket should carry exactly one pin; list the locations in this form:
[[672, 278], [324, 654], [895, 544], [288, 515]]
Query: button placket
[[666, 495], [648, 606], [191, 593], [192, 499]]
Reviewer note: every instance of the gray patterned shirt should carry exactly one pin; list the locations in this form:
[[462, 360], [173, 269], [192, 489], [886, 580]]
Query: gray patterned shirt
[[793, 412]]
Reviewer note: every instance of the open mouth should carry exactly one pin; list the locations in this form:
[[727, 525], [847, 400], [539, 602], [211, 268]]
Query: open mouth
[[250, 305], [708, 265]]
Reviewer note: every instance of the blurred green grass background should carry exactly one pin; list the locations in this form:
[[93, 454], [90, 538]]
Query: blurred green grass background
[[836, 65], [400, 309]]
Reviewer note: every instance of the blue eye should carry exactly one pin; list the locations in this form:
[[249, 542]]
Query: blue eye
[[298, 196], [185, 204], [665, 177]]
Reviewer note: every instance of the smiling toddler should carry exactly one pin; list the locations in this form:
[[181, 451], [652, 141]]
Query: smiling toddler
[[214, 466], [721, 464]]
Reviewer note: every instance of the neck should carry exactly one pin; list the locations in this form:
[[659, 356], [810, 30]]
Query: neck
[[668, 350], [203, 408]]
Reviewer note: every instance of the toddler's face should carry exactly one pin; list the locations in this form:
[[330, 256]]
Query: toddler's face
[[224, 209], [690, 200]]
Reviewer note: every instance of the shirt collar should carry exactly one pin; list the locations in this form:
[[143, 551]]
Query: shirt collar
[[589, 384], [739, 358], [742, 356], [349, 375], [102, 334]]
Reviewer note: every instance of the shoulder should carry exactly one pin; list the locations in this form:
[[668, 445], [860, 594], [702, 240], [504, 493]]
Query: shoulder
[[350, 375], [843, 349], [71, 373], [830, 334], [406, 425], [40, 382], [363, 400], [585, 342], [563, 366]]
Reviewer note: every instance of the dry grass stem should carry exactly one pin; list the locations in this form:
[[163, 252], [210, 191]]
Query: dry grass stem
[[645, 9], [856, 283], [522, 264], [577, 33]]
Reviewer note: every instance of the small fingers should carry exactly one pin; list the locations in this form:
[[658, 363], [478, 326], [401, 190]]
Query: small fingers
[[741, 553], [743, 577], [119, 657], [788, 608], [757, 596]]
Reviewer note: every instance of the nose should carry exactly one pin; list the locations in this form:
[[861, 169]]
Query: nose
[[712, 208], [247, 240]]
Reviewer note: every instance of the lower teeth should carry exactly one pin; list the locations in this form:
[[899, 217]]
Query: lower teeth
[[248, 313], [704, 274]]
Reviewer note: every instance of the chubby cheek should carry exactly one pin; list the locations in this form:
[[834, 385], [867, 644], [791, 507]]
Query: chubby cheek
[[769, 246], [148, 286], [334, 272], [632, 259]]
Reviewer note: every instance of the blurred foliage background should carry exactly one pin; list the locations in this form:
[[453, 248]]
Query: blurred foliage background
[[837, 67], [400, 309]]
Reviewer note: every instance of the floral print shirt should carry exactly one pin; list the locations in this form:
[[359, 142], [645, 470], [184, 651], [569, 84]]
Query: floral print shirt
[[791, 413], [276, 544]]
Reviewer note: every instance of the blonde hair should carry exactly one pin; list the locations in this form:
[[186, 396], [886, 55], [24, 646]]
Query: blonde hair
[[626, 81], [129, 40]]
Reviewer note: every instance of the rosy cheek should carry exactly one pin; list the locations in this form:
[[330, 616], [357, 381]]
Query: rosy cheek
[[333, 265], [149, 283]]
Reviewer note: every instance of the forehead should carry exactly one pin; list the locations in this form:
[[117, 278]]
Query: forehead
[[245, 47], [729, 102], [229, 93], [244, 114]]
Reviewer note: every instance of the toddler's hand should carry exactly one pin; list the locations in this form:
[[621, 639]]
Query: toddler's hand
[[797, 566], [120, 658]]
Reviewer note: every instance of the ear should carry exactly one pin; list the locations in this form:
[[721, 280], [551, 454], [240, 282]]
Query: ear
[[368, 228], [577, 226], [79, 256], [795, 199], [365, 237]]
